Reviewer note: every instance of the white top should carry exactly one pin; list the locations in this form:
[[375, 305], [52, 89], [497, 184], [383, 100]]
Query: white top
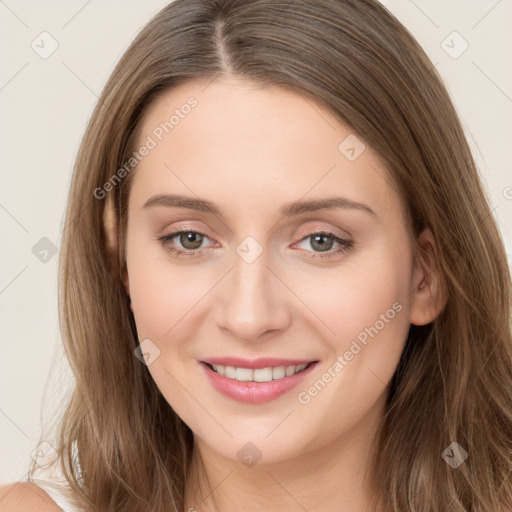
[[50, 479], [55, 492]]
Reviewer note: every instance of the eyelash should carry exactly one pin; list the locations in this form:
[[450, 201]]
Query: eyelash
[[346, 244]]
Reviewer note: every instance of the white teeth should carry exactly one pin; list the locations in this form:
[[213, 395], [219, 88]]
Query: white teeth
[[279, 372], [229, 371], [259, 375], [243, 374], [262, 375], [290, 370]]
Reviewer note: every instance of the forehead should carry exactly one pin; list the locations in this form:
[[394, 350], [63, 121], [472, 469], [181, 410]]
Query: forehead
[[242, 145]]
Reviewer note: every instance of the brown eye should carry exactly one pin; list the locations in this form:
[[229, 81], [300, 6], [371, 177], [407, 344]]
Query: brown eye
[[322, 242], [190, 240], [184, 243]]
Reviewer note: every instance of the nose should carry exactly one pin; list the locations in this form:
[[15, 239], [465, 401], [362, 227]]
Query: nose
[[253, 301]]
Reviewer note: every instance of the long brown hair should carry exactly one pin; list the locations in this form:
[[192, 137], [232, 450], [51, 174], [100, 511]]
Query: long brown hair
[[121, 446]]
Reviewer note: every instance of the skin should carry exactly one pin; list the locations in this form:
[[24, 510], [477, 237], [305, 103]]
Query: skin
[[250, 150]]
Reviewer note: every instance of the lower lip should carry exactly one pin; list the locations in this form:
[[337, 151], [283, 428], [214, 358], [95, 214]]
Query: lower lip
[[255, 392]]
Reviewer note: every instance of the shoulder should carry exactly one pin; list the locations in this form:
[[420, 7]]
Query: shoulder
[[24, 496]]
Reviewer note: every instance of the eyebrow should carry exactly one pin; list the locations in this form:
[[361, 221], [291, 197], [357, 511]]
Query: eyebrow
[[287, 210]]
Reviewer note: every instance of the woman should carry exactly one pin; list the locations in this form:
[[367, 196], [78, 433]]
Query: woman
[[281, 283]]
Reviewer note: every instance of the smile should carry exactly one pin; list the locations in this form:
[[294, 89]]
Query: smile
[[255, 385]]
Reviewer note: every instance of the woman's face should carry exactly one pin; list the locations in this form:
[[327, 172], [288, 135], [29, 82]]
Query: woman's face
[[295, 251]]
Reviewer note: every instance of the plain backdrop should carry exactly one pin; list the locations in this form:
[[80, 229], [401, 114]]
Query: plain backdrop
[[46, 103]]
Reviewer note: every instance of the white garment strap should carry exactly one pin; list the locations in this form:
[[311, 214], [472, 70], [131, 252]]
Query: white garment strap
[[55, 492]]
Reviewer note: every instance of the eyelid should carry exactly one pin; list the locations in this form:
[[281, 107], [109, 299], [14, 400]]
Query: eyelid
[[173, 233], [328, 231], [184, 228]]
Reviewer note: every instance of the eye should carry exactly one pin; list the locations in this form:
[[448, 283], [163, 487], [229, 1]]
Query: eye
[[323, 242], [190, 240]]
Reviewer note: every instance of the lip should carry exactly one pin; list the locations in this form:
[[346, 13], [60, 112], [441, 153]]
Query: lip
[[255, 392]]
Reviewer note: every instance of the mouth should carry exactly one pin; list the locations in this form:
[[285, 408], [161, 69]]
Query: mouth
[[258, 384]]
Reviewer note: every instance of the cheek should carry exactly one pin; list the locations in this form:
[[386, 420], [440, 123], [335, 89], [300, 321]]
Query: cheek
[[367, 310], [162, 296], [370, 291], [166, 301]]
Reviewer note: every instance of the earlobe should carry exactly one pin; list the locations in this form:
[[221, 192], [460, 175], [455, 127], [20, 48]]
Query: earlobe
[[428, 295]]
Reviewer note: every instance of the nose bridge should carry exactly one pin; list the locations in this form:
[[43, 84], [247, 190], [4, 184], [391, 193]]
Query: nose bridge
[[252, 303], [251, 278]]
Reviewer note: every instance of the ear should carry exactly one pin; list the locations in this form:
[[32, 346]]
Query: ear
[[428, 293], [110, 226]]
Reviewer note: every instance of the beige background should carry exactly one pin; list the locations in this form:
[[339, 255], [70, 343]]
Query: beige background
[[46, 103]]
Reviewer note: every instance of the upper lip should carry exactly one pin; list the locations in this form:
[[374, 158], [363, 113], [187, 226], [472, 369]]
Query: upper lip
[[254, 364]]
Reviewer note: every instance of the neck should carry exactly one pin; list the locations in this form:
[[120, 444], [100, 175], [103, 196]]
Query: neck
[[333, 477]]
